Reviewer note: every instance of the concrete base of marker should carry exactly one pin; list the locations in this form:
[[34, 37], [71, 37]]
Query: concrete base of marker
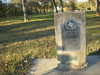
[[70, 67], [71, 60]]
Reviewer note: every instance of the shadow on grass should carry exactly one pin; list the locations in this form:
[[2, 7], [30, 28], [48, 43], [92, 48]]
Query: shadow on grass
[[22, 31], [95, 53], [33, 25], [34, 16], [94, 18], [34, 35]]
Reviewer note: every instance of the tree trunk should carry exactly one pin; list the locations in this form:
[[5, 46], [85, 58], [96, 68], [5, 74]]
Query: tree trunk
[[72, 5], [40, 10], [44, 10], [98, 7], [55, 5], [61, 3], [24, 10], [7, 9]]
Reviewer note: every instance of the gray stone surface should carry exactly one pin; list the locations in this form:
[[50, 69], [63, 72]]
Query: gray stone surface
[[49, 67], [70, 30], [70, 37]]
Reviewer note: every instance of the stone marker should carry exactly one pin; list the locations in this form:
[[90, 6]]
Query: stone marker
[[70, 39]]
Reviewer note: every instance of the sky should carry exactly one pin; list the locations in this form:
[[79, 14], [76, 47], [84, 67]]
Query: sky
[[82, 0], [5, 1]]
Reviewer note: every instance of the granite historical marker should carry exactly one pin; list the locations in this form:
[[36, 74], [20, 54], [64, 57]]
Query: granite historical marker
[[70, 37], [71, 34]]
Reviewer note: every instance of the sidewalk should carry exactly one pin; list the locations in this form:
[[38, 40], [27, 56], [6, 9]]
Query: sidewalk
[[47, 67]]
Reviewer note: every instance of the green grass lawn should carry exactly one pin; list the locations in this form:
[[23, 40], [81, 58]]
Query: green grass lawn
[[93, 33], [21, 42]]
